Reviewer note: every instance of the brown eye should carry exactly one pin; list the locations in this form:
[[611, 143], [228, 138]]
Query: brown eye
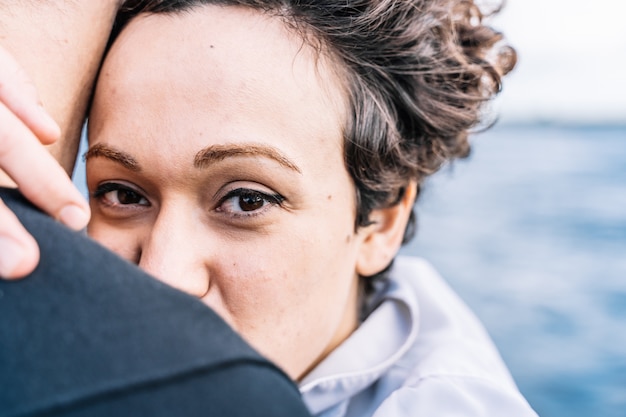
[[125, 196], [251, 202], [248, 202]]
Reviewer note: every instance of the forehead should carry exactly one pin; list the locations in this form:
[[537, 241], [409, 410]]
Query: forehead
[[231, 70], [237, 49]]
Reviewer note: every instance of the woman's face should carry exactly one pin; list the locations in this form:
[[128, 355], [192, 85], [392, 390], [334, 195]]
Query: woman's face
[[216, 164]]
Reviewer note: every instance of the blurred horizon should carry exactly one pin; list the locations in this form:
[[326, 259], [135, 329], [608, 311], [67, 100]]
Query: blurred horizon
[[571, 59]]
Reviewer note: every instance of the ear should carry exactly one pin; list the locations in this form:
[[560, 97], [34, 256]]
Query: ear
[[382, 239]]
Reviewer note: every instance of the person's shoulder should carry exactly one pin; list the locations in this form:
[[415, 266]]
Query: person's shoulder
[[453, 356], [251, 389], [451, 339], [454, 395], [234, 389]]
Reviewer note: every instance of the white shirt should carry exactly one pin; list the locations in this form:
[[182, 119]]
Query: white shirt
[[421, 352]]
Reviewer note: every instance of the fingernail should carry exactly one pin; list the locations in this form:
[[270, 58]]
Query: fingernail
[[73, 217], [11, 254]]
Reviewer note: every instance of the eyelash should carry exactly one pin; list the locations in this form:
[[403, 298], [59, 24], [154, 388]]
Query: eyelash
[[265, 198], [241, 193], [103, 189]]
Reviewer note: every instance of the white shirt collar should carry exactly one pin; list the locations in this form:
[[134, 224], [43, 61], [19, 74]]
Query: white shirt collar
[[374, 347]]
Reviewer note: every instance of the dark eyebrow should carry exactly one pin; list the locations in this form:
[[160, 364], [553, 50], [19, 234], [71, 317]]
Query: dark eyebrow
[[216, 153], [109, 152]]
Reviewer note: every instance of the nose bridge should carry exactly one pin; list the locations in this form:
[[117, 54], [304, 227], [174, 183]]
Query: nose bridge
[[171, 253]]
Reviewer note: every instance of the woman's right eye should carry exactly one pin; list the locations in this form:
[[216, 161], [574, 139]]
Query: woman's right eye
[[114, 194]]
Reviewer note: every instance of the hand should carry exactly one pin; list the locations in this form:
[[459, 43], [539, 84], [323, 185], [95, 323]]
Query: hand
[[24, 128]]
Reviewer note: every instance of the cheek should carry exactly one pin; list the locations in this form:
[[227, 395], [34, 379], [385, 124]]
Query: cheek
[[261, 283], [288, 298], [256, 283]]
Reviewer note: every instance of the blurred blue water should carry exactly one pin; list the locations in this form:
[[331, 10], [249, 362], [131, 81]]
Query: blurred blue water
[[531, 231]]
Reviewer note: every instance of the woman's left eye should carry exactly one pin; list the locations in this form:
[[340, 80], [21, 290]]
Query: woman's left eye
[[245, 202]]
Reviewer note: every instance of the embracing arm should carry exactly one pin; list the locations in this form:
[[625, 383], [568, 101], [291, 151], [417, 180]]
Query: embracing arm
[[24, 127], [50, 53]]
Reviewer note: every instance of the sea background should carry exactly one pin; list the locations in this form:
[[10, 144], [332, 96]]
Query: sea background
[[531, 229], [531, 232]]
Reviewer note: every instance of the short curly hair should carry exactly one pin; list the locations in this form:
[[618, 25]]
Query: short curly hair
[[417, 72]]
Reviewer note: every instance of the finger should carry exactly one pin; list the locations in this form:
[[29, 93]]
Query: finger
[[19, 94], [38, 175], [19, 253]]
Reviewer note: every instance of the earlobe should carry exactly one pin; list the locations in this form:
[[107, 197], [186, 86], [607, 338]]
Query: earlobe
[[382, 239]]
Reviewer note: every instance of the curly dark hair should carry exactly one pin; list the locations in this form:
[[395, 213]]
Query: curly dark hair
[[418, 73]]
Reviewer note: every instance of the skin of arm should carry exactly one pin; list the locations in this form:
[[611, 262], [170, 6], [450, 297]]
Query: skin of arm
[[50, 55]]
